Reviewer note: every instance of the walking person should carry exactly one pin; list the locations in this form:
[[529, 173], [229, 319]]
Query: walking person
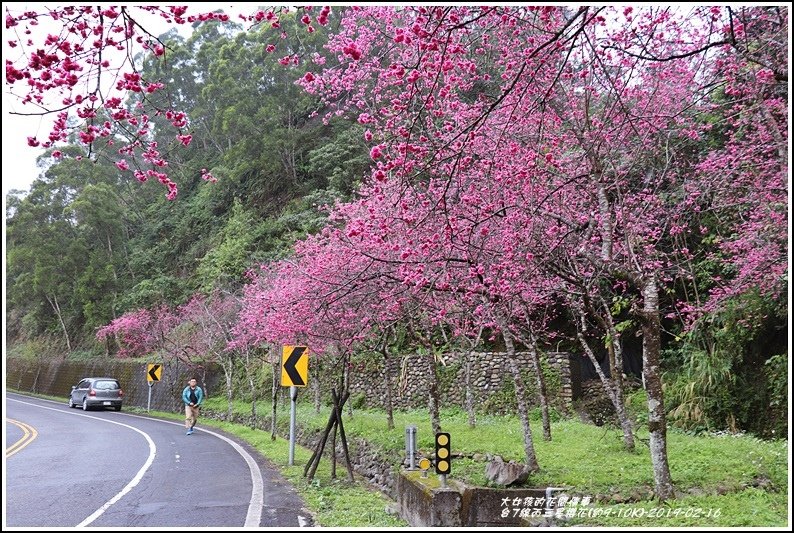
[[192, 396]]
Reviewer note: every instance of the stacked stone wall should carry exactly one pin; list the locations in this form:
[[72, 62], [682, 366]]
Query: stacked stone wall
[[410, 378]]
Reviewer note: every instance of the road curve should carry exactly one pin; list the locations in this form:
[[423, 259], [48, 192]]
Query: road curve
[[29, 434], [68, 468]]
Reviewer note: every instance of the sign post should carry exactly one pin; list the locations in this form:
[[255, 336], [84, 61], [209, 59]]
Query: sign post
[[153, 373], [293, 396], [294, 374]]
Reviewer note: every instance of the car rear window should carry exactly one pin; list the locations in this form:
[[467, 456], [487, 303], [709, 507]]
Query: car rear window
[[106, 385]]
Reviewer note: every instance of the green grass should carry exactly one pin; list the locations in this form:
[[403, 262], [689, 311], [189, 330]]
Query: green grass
[[720, 471], [589, 458], [750, 508]]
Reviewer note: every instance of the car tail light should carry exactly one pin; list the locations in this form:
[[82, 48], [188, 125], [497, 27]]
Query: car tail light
[[92, 392], [121, 393]]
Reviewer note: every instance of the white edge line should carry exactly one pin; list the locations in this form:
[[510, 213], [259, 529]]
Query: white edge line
[[133, 482], [254, 515]]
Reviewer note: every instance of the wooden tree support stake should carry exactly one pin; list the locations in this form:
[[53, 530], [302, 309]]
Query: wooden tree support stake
[[311, 466]]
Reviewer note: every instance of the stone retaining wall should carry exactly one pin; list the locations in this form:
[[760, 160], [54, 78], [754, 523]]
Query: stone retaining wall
[[410, 376]]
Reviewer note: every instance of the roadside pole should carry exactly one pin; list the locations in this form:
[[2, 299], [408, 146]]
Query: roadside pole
[[293, 395]]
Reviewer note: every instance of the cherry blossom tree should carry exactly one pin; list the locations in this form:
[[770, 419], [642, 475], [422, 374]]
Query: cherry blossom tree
[[744, 180], [133, 333], [208, 322], [595, 107], [520, 156]]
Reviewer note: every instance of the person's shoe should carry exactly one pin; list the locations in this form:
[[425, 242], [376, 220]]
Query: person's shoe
[[189, 431]]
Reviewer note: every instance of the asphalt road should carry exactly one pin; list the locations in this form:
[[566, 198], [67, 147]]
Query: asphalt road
[[67, 468]]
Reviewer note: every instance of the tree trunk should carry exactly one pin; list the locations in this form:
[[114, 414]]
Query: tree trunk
[[115, 285], [469, 392], [614, 396], [625, 421], [251, 384], [616, 369], [606, 230], [333, 451], [387, 385], [657, 425], [433, 400], [228, 371], [57, 309], [346, 382], [467, 363], [275, 388], [338, 412], [534, 358], [521, 400], [204, 382], [605, 220]]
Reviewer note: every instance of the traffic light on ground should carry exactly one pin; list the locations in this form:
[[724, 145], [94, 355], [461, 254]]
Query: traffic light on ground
[[443, 457]]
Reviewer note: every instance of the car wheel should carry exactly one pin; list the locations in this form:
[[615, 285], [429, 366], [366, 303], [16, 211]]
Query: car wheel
[[71, 403], [117, 407], [85, 404]]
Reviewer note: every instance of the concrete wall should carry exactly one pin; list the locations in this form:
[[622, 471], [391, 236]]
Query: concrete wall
[[423, 503], [56, 378]]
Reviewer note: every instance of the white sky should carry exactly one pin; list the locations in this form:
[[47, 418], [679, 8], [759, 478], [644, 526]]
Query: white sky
[[19, 159]]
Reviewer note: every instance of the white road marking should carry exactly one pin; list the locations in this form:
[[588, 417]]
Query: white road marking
[[129, 486], [253, 516]]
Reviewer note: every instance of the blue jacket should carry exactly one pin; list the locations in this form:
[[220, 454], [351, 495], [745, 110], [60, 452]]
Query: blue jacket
[[186, 395]]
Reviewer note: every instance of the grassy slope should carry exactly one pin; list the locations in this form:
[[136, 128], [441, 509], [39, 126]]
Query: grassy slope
[[711, 472]]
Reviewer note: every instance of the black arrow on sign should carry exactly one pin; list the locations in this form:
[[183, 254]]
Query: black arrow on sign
[[153, 373], [289, 366]]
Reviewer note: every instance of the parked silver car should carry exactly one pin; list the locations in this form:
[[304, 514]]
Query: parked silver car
[[97, 392]]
